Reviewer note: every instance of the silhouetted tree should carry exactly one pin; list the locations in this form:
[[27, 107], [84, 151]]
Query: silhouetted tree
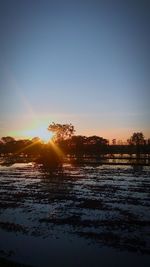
[[114, 141], [137, 139], [61, 131], [77, 144], [49, 157], [81, 145], [96, 140], [7, 139]]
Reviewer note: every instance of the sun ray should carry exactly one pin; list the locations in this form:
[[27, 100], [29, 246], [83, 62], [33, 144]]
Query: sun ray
[[56, 148]]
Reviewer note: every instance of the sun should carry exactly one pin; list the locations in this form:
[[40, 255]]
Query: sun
[[38, 131], [43, 134]]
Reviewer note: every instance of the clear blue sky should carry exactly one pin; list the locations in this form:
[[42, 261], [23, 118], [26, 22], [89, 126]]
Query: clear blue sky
[[84, 62]]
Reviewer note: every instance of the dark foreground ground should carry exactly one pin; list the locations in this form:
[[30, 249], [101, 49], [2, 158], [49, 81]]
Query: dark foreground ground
[[7, 263], [78, 216]]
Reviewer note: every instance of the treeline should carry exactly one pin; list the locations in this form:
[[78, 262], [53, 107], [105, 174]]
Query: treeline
[[94, 145], [74, 145], [17, 147], [26, 149]]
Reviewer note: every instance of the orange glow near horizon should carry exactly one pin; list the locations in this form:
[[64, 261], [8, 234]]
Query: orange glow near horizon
[[46, 136], [119, 134], [37, 131], [38, 128]]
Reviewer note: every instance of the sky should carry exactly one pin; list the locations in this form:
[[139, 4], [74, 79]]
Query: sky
[[80, 62]]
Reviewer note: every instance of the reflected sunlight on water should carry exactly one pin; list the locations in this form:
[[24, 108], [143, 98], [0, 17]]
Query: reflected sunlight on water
[[85, 211]]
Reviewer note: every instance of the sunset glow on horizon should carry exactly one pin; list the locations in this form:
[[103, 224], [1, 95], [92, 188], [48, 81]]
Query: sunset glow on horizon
[[40, 130], [85, 64], [32, 132]]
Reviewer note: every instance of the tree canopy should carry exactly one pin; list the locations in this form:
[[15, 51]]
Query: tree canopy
[[61, 131], [137, 139]]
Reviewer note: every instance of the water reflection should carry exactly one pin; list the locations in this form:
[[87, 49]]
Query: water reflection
[[137, 169], [104, 204]]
